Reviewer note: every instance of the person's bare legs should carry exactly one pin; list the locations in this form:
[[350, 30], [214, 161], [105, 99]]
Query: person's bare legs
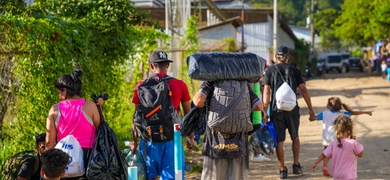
[[280, 155], [326, 160], [295, 148]]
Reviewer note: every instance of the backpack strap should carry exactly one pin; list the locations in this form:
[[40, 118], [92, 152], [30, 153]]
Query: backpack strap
[[36, 163], [287, 70]]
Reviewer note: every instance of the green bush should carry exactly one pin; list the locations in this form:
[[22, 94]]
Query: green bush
[[107, 40]]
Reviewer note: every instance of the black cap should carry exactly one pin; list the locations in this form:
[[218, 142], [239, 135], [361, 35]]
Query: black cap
[[282, 51], [158, 56]]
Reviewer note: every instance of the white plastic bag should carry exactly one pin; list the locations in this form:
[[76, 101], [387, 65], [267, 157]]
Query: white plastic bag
[[286, 99], [71, 146]]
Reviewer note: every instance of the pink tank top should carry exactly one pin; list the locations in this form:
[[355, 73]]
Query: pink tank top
[[73, 120]]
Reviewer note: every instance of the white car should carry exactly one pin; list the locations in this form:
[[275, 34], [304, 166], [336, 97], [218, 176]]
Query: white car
[[335, 62]]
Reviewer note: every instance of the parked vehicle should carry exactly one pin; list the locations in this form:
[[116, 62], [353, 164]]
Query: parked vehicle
[[335, 62], [356, 63], [345, 57]]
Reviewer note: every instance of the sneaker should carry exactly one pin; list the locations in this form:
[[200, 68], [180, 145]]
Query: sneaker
[[259, 158], [250, 157], [283, 173], [297, 168], [325, 171]]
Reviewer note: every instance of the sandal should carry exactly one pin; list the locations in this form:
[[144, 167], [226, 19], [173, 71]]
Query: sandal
[[325, 171]]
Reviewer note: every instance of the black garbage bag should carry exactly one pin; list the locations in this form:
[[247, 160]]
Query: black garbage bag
[[194, 121], [212, 66], [106, 160]]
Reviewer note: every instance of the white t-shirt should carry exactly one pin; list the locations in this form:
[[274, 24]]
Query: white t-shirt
[[328, 117], [383, 67]]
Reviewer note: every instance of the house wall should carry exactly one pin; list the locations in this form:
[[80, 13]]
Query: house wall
[[259, 39], [283, 38], [256, 38], [210, 37]]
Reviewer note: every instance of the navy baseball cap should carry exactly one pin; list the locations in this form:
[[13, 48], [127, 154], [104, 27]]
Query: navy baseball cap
[[158, 56], [282, 51]]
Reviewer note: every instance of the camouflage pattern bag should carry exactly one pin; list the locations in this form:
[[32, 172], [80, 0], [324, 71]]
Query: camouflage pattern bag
[[12, 166]]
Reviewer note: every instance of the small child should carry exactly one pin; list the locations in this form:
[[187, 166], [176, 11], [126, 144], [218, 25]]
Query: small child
[[388, 73], [54, 162], [343, 151], [334, 105], [384, 68]]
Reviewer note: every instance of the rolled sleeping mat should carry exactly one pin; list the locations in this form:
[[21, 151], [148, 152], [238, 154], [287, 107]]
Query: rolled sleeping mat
[[213, 66]]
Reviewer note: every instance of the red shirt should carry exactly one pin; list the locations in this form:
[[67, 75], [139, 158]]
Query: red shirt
[[179, 92]]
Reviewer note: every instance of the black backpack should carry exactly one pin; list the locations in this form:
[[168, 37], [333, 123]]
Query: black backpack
[[155, 118]]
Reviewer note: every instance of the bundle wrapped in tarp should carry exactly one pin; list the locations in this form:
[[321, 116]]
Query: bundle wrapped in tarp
[[212, 66]]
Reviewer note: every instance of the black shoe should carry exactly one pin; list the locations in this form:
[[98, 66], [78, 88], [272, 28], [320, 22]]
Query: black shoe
[[297, 168], [283, 173]]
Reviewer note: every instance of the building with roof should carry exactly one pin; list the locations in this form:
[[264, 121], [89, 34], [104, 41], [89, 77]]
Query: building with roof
[[220, 19]]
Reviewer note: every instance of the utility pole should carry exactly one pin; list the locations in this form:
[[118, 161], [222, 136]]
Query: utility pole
[[242, 28], [275, 30], [312, 29]]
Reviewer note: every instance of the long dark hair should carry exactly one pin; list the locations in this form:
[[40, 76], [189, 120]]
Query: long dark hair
[[72, 82]]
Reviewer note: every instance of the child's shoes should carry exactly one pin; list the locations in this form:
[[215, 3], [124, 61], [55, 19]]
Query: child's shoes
[[325, 171]]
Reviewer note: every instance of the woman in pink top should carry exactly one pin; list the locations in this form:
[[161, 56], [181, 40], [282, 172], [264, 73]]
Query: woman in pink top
[[72, 115], [343, 151]]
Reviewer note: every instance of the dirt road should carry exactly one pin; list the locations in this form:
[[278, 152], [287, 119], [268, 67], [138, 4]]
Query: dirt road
[[360, 92]]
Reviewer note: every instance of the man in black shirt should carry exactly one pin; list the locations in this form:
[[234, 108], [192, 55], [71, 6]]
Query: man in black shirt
[[273, 79], [29, 164]]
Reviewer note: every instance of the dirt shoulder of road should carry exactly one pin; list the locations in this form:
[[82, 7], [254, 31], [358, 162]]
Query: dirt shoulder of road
[[360, 91]]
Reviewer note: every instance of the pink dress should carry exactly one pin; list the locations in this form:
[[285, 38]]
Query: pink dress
[[73, 120], [344, 160]]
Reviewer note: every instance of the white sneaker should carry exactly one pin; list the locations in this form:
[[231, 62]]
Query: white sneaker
[[259, 158]]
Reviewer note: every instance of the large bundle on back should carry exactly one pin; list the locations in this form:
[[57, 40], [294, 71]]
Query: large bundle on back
[[229, 105], [225, 66]]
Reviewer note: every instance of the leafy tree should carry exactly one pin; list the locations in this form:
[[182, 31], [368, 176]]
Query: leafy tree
[[14, 6], [108, 40], [354, 22], [379, 19], [190, 44], [329, 4], [323, 23]]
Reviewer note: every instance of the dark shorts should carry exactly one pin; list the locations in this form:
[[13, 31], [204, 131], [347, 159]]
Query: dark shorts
[[286, 120]]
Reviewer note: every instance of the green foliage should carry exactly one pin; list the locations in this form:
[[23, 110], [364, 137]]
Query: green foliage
[[190, 44], [13, 7], [228, 45], [363, 22], [295, 12], [303, 50], [352, 24], [323, 23], [357, 53], [106, 39], [329, 4]]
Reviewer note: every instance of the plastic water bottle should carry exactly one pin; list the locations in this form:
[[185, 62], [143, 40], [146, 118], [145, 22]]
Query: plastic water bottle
[[256, 115]]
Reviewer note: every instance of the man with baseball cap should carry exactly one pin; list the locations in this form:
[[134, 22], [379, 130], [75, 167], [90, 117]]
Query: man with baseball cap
[[283, 120], [160, 155], [158, 57]]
